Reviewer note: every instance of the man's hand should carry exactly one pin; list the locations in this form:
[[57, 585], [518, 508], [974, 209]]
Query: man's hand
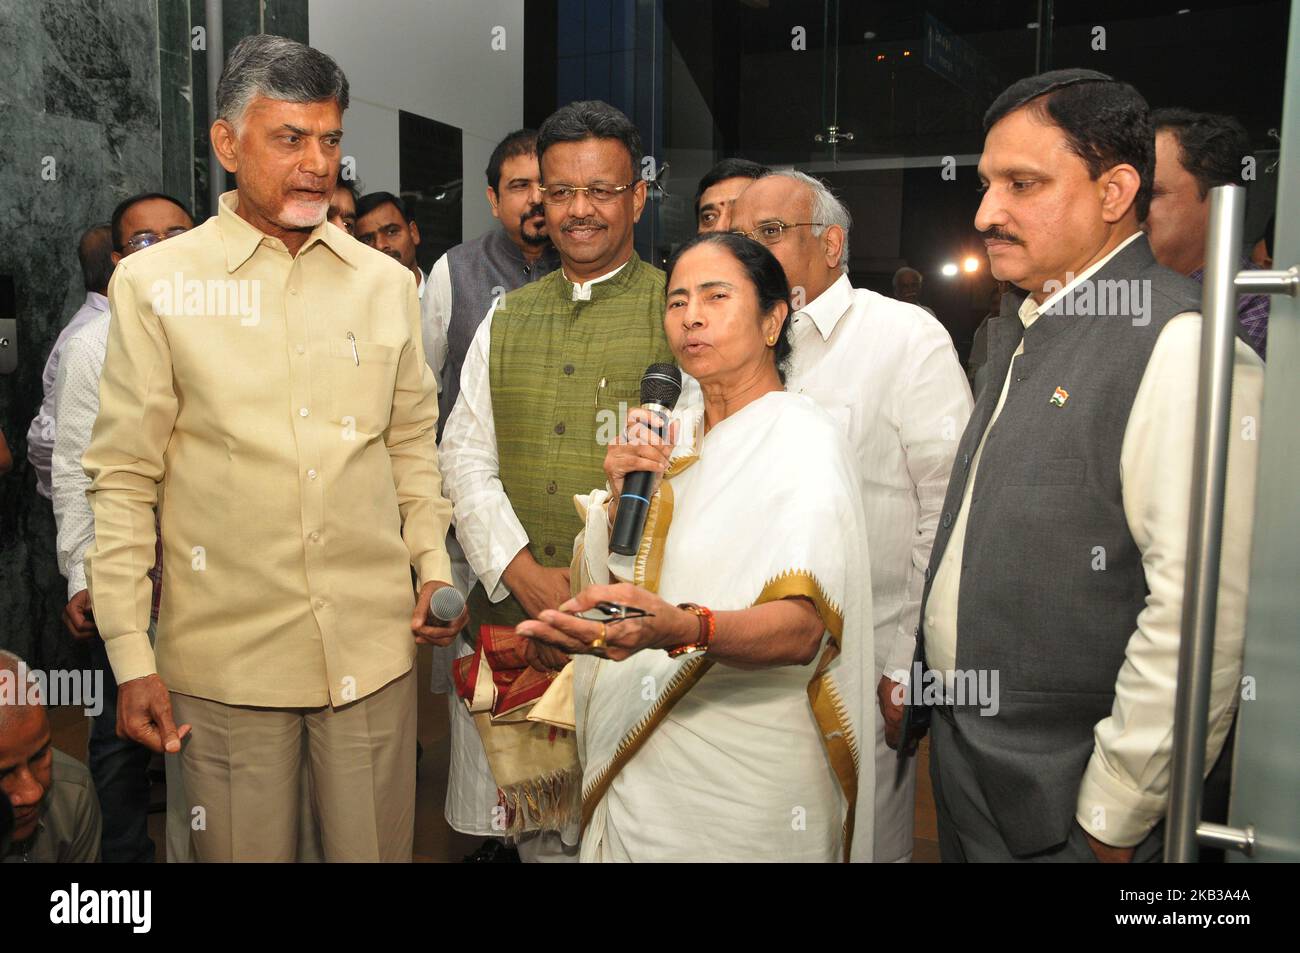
[[144, 715], [426, 632], [889, 696], [77, 617], [1107, 854], [544, 658], [536, 587]]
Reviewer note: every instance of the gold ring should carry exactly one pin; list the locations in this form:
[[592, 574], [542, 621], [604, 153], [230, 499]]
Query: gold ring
[[599, 643]]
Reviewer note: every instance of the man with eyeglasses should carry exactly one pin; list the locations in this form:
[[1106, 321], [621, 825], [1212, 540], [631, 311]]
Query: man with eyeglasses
[[554, 365], [888, 373], [463, 284], [119, 766]]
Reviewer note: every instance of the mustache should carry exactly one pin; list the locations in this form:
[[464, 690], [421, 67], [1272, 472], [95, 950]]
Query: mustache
[[996, 234], [530, 214], [582, 223]]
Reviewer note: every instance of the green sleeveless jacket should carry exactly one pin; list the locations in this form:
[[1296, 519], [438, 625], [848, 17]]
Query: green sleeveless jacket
[[564, 374]]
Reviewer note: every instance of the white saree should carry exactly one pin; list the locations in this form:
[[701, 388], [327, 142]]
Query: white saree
[[684, 759]]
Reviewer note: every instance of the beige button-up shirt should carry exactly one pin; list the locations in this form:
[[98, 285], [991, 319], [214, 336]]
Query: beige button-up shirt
[[279, 411]]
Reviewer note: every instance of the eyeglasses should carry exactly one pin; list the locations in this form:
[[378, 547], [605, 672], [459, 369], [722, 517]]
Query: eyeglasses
[[145, 239], [771, 233], [598, 194], [389, 231]]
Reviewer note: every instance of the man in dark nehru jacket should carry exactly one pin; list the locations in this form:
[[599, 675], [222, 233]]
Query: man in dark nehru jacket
[[468, 278], [1055, 594]]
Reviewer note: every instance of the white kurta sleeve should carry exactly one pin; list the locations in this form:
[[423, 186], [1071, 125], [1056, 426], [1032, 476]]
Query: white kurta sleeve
[[436, 318], [486, 525], [77, 401], [932, 410], [1125, 787]]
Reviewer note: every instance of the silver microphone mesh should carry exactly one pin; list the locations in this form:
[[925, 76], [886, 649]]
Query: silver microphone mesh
[[446, 604]]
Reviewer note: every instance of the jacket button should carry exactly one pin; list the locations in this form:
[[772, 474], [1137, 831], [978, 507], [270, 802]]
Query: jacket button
[[550, 487], [947, 520], [559, 428], [965, 460], [549, 550], [568, 368]]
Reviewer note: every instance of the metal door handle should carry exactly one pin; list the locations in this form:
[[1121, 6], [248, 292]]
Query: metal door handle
[[1205, 530]]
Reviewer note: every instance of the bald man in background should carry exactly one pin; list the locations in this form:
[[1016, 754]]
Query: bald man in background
[[56, 816]]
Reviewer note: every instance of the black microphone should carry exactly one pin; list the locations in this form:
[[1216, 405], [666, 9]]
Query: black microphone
[[661, 385]]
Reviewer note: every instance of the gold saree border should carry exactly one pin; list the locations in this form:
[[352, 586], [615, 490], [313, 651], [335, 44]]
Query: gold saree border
[[683, 680], [650, 554], [645, 573], [795, 583], [827, 706]]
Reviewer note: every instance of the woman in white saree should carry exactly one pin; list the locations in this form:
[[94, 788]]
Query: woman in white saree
[[731, 729]]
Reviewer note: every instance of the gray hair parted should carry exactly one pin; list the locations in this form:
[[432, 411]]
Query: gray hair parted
[[277, 68], [826, 208]]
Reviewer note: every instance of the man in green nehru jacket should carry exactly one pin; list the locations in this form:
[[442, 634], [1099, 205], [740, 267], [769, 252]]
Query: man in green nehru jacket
[[555, 363]]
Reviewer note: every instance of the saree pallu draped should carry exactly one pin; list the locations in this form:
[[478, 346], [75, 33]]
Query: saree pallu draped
[[534, 763], [685, 759]]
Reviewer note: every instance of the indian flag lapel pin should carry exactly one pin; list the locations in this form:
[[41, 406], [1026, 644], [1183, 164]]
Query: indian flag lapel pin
[[1060, 397]]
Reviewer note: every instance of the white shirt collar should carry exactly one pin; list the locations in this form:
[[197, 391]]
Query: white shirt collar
[[420, 285], [582, 290], [1030, 310], [829, 306], [96, 301]]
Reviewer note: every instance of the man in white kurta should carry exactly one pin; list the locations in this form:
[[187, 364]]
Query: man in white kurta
[[888, 373]]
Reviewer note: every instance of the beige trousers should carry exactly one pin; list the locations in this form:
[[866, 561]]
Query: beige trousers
[[243, 771]]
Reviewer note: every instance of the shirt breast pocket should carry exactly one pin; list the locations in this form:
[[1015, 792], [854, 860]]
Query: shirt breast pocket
[[361, 385], [614, 398]]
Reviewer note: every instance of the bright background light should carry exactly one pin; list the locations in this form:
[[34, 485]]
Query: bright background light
[[971, 264], [949, 270]]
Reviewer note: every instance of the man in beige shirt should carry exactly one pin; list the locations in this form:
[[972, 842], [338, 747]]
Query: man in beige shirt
[[265, 386]]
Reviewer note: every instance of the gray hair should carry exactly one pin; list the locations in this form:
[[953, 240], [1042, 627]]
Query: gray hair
[[277, 68], [826, 208], [905, 270]]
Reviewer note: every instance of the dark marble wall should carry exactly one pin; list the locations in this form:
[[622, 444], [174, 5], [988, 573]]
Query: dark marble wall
[[79, 102], [97, 102]]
